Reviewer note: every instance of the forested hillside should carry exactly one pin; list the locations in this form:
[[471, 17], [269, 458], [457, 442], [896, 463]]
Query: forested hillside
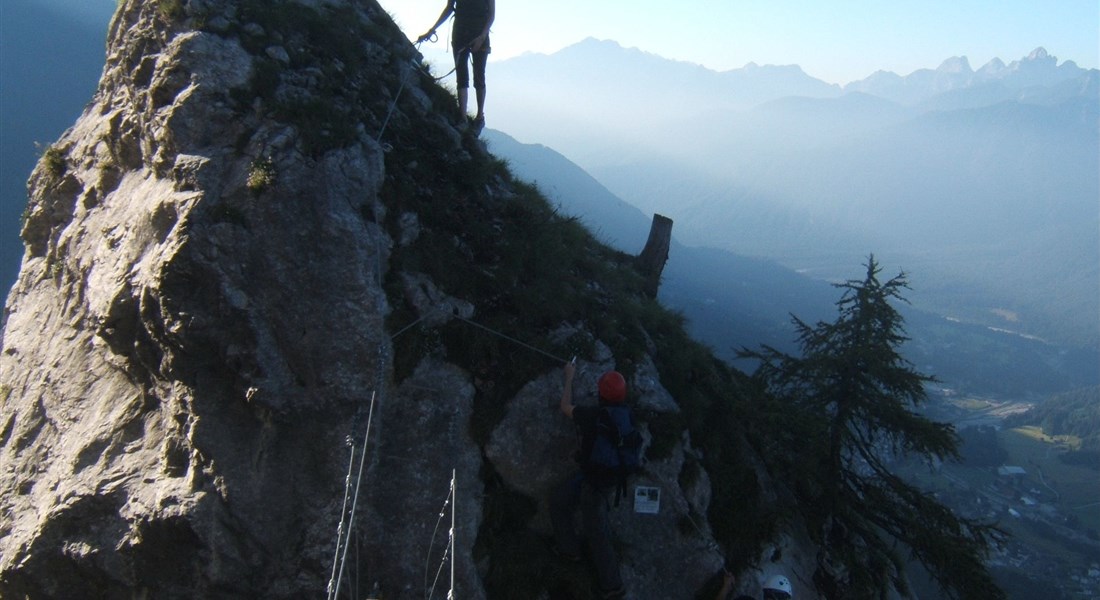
[[1075, 413]]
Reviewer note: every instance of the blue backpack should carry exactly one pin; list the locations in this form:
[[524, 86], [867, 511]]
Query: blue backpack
[[615, 454]]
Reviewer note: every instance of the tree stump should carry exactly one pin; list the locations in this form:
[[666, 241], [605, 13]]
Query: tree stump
[[651, 262]]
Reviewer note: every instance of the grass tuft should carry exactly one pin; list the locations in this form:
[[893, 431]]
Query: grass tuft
[[53, 157], [261, 175]]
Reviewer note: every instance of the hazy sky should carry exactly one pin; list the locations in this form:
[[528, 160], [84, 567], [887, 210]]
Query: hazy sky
[[837, 41]]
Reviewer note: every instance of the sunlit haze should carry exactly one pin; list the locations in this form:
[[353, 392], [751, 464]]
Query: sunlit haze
[[837, 42]]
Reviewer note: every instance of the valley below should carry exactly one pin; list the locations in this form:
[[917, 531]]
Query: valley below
[[1013, 476]]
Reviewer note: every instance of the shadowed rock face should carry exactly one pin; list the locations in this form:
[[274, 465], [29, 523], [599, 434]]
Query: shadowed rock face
[[200, 326]]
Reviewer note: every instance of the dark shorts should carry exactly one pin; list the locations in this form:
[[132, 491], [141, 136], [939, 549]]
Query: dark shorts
[[464, 32], [461, 37]]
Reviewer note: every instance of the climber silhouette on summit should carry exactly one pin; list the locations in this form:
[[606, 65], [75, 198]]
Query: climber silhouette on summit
[[469, 38]]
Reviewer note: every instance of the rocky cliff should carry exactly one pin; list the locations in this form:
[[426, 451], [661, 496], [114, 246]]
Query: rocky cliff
[[268, 247]]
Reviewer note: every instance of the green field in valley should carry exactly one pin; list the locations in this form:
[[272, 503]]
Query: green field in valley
[[1077, 488]]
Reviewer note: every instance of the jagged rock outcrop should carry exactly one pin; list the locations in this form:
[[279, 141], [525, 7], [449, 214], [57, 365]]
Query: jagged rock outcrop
[[205, 312]]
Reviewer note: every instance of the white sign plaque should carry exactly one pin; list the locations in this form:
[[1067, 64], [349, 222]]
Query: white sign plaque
[[647, 500]]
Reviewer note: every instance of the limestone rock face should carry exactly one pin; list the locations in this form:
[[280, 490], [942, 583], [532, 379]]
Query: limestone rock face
[[200, 348], [181, 350]]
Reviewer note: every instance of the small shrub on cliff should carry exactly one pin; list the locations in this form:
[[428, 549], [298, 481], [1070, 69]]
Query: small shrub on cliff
[[54, 160], [261, 175], [170, 9]]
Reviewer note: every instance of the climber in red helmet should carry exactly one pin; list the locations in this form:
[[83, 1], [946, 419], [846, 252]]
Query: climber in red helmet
[[591, 487]]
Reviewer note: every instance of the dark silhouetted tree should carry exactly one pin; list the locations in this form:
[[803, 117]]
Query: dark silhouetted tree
[[848, 408]]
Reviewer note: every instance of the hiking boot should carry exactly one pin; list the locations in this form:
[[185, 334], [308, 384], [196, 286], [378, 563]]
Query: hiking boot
[[477, 123]]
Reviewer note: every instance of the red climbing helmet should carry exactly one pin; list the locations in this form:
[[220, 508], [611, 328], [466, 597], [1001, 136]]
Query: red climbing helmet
[[612, 387]]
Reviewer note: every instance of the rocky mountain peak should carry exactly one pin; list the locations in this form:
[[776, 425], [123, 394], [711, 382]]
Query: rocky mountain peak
[[955, 64], [992, 68], [1040, 55], [268, 252], [1038, 61]]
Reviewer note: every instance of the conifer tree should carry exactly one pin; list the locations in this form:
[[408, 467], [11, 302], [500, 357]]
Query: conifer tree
[[848, 408]]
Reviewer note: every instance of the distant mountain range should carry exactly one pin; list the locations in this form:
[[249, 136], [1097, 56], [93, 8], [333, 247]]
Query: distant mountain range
[[763, 160], [983, 184], [732, 301], [1036, 79]]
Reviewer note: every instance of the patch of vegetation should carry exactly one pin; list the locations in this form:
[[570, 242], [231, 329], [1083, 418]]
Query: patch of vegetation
[[170, 9], [261, 175], [55, 160], [1037, 434], [972, 404], [55, 268]]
